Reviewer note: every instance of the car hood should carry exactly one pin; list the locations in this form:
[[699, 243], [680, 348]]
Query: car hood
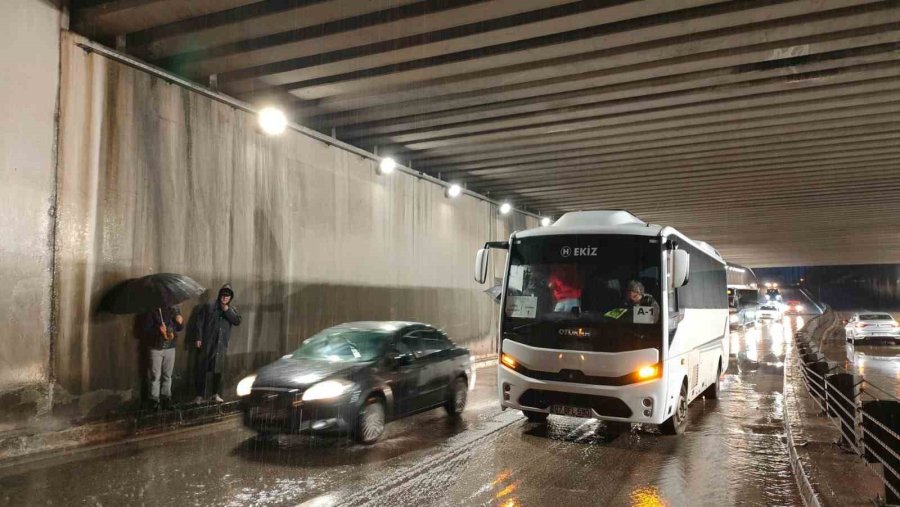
[[288, 372]]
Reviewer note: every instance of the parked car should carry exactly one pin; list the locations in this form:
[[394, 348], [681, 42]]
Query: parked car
[[769, 311], [794, 307], [355, 377], [872, 326]]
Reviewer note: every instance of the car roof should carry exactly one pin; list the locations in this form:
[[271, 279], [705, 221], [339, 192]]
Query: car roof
[[380, 325]]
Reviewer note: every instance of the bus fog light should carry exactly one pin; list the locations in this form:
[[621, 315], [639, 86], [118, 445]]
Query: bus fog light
[[505, 396], [506, 387], [647, 402], [648, 412]]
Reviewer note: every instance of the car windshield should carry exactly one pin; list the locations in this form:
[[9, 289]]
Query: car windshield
[[875, 316], [341, 344], [584, 292]]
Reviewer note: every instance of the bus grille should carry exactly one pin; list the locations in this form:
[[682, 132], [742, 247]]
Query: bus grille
[[603, 405]]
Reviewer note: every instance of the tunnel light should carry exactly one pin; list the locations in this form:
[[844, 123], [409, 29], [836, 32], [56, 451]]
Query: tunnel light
[[546, 221], [505, 208], [453, 191], [387, 165], [272, 121]]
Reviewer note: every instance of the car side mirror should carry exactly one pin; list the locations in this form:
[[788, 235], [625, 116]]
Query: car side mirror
[[398, 359], [481, 265]]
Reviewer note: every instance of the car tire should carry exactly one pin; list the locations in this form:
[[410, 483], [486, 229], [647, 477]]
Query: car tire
[[536, 417], [370, 421], [457, 396], [676, 424], [712, 392]]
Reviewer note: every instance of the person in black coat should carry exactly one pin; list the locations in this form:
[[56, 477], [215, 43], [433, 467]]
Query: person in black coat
[[212, 331]]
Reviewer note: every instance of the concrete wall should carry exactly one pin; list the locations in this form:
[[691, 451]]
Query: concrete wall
[[154, 178], [29, 69]]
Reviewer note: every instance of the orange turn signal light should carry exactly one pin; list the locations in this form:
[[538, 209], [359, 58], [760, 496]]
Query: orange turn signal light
[[507, 360], [648, 372]]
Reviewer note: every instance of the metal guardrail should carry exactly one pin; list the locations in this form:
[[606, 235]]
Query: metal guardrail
[[854, 408]]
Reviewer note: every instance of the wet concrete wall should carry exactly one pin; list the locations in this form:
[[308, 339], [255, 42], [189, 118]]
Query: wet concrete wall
[[155, 178], [29, 67]]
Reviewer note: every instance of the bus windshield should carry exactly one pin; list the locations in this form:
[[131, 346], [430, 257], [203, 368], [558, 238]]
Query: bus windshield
[[584, 292]]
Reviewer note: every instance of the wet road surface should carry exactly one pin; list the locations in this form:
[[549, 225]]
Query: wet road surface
[[879, 363], [731, 454]]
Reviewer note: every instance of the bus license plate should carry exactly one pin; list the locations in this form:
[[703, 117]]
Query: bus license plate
[[571, 411]]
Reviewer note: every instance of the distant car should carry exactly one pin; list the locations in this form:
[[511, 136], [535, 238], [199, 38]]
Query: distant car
[[794, 307], [872, 326], [355, 377], [769, 311]]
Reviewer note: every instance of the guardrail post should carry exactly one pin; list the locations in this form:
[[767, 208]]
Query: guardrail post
[[843, 399], [881, 445]]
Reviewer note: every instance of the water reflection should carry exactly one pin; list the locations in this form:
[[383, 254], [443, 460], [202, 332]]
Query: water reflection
[[647, 496]]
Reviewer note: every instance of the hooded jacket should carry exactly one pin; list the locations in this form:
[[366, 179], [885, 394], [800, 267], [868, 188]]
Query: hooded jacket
[[212, 328]]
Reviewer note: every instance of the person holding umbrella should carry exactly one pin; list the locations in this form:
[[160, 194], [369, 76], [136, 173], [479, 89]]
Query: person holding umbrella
[[212, 331], [156, 296], [162, 328]]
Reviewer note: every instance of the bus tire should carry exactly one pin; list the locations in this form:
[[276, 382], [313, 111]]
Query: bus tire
[[676, 424], [536, 417], [712, 392]]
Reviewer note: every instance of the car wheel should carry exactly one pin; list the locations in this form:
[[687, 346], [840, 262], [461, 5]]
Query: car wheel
[[536, 417], [457, 397], [712, 392], [676, 424], [370, 421]]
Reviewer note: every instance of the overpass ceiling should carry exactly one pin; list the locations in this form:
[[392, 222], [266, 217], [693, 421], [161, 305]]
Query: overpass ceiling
[[770, 128]]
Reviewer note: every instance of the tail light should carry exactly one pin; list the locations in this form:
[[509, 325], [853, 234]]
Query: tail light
[[860, 325]]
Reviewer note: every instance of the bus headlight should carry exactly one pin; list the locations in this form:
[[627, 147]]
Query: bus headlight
[[648, 372], [245, 386], [508, 361]]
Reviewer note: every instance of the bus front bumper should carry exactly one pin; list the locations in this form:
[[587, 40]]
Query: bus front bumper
[[643, 402]]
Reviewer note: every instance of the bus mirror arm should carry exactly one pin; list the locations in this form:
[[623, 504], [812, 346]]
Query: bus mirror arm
[[483, 256]]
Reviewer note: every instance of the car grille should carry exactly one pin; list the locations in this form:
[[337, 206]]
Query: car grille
[[603, 405]]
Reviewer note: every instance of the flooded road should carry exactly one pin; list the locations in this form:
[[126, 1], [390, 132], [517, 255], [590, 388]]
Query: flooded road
[[879, 363], [731, 454]]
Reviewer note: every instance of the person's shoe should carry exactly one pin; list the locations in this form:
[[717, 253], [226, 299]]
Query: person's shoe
[[198, 400], [154, 405], [165, 403], [217, 399]]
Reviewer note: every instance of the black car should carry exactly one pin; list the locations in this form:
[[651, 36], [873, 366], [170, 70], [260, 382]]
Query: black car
[[355, 377]]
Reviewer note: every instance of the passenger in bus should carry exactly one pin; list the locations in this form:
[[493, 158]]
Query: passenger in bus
[[566, 286], [639, 307]]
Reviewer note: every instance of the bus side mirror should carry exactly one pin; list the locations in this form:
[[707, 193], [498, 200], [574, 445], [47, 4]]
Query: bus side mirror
[[681, 267], [481, 265]]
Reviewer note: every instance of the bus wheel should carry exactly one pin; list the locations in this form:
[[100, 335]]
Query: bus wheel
[[712, 392], [675, 425], [536, 417]]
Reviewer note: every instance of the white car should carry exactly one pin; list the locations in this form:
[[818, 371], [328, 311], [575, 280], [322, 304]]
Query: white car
[[872, 326], [769, 311]]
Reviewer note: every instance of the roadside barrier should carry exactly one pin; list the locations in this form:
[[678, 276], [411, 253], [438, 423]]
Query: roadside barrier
[[867, 416]]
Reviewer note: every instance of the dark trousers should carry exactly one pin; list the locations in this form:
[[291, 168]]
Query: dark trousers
[[203, 382]]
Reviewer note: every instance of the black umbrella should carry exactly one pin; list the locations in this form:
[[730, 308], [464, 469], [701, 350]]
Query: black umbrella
[[140, 295]]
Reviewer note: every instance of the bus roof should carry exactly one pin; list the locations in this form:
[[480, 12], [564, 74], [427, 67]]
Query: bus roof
[[612, 222]]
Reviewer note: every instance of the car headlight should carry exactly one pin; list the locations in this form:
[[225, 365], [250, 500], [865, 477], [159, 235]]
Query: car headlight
[[325, 390], [245, 386]]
